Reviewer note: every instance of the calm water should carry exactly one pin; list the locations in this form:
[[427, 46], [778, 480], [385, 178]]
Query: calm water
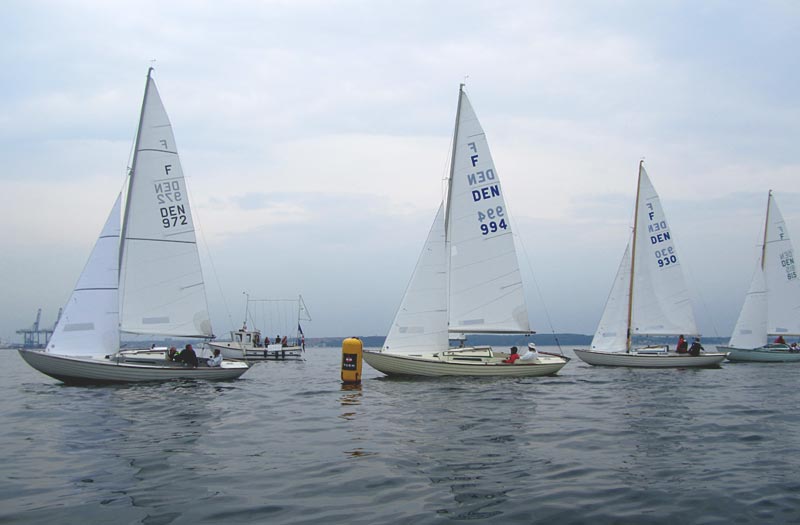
[[288, 444]]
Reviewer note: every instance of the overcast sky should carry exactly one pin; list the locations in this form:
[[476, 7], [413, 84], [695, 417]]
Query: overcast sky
[[315, 135]]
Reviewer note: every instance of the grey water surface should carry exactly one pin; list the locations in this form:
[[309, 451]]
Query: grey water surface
[[288, 443]]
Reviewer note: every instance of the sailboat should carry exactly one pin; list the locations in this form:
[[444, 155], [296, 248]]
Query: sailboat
[[467, 279], [772, 303], [142, 277], [251, 345], [649, 296]]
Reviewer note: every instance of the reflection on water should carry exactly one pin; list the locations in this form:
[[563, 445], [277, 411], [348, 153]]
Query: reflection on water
[[288, 443]]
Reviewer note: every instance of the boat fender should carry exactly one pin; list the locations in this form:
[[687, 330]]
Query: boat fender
[[352, 354]]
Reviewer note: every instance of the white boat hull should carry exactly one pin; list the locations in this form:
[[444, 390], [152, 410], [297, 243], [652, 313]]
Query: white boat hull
[[234, 350], [760, 355], [433, 366], [88, 370], [649, 360]]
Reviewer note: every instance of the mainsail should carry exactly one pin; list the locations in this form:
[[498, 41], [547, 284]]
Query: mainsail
[[89, 325], [780, 273], [161, 282], [485, 287], [660, 299]]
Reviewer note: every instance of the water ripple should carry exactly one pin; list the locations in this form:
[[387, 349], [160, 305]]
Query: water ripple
[[289, 444]]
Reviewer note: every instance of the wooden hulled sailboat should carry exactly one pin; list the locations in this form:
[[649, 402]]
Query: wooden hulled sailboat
[[772, 303], [649, 296]]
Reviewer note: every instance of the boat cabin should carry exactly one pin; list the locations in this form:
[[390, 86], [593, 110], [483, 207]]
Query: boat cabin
[[246, 337]]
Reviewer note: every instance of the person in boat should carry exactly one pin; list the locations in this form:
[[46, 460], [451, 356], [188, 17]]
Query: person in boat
[[172, 353], [284, 342], [277, 339], [530, 353], [696, 347], [793, 347], [682, 346], [513, 356], [187, 356], [780, 340], [256, 339], [216, 360]]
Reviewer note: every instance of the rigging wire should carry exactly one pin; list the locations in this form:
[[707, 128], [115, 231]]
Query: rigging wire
[[535, 282]]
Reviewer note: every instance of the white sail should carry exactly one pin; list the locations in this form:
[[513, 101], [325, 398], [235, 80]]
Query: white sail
[[161, 281], [486, 293], [661, 304], [89, 325], [421, 321], [751, 327], [783, 286], [612, 332]]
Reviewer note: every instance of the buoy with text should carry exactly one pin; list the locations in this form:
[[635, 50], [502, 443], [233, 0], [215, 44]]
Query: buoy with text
[[352, 351]]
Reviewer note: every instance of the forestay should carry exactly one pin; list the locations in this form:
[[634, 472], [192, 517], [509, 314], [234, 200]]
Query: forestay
[[161, 281], [89, 325], [421, 322], [486, 293]]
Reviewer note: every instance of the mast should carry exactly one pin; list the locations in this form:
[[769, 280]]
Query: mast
[[633, 259], [246, 309], [766, 225], [132, 172], [452, 163]]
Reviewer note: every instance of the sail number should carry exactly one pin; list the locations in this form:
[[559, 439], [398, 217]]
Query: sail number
[[496, 220], [169, 195], [787, 261], [666, 257]]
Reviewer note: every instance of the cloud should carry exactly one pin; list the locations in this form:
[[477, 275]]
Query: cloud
[[316, 135]]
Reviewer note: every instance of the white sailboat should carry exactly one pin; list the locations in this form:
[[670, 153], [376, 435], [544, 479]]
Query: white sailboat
[[649, 296], [772, 305], [252, 345], [141, 278], [467, 279]]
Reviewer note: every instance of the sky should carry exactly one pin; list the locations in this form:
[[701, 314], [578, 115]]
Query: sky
[[315, 136]]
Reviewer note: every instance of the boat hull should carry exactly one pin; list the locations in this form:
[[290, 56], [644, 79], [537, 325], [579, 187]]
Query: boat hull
[[660, 360], [87, 370], [760, 355], [234, 350], [401, 365]]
